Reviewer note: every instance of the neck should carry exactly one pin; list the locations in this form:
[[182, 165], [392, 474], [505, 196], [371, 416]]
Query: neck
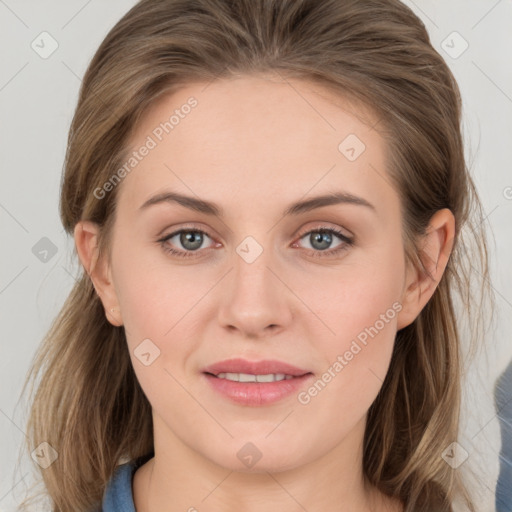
[[180, 479]]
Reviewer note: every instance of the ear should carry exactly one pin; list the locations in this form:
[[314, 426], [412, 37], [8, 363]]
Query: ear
[[435, 250], [98, 268]]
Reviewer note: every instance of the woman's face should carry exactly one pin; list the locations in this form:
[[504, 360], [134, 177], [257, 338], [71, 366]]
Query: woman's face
[[262, 283]]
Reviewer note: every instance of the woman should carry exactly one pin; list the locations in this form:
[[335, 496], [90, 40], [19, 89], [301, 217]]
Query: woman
[[267, 198]]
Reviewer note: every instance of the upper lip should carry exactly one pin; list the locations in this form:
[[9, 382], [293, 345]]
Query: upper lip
[[265, 367]]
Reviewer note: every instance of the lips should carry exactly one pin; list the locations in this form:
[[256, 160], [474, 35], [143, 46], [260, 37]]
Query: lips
[[234, 380], [265, 367]]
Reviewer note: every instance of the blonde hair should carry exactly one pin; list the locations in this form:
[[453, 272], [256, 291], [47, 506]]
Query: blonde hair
[[376, 52]]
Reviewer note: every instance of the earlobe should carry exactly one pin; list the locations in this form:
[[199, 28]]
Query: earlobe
[[98, 268], [434, 252]]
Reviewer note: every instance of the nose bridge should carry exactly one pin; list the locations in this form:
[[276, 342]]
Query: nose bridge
[[255, 298]]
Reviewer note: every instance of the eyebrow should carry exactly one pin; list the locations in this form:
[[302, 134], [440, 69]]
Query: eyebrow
[[209, 208]]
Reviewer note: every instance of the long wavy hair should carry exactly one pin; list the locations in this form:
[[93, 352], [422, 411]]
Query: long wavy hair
[[376, 52]]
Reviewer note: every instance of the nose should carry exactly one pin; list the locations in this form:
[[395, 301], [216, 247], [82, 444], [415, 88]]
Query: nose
[[255, 301]]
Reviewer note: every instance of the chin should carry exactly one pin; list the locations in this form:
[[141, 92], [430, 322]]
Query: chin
[[257, 457]]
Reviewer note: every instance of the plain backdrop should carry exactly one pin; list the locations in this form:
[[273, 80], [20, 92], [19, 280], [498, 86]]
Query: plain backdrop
[[38, 94]]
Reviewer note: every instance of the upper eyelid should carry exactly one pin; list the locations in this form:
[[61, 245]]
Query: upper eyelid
[[301, 232], [344, 231]]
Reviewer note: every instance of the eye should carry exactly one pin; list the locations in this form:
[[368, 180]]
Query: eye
[[321, 239], [190, 239]]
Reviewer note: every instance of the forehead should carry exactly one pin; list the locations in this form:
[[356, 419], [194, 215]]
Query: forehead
[[256, 138]]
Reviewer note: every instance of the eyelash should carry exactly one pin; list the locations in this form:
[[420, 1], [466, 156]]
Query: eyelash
[[347, 242]]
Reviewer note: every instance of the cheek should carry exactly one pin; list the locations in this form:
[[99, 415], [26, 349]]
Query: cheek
[[356, 363], [356, 297], [360, 307], [157, 304], [154, 295]]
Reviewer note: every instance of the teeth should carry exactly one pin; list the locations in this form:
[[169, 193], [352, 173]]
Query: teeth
[[247, 377]]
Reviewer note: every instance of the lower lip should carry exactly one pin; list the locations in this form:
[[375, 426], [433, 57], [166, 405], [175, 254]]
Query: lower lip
[[257, 393]]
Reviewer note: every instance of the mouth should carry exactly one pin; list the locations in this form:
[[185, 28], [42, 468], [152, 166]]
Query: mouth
[[249, 377], [255, 383]]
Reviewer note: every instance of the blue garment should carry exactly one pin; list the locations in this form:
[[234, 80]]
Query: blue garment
[[503, 397], [118, 496]]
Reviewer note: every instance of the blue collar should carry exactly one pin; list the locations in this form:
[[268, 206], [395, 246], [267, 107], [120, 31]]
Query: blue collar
[[118, 496]]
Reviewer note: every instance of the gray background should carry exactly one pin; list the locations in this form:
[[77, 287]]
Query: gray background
[[37, 100]]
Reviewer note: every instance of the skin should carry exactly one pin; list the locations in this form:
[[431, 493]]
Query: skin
[[254, 145]]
